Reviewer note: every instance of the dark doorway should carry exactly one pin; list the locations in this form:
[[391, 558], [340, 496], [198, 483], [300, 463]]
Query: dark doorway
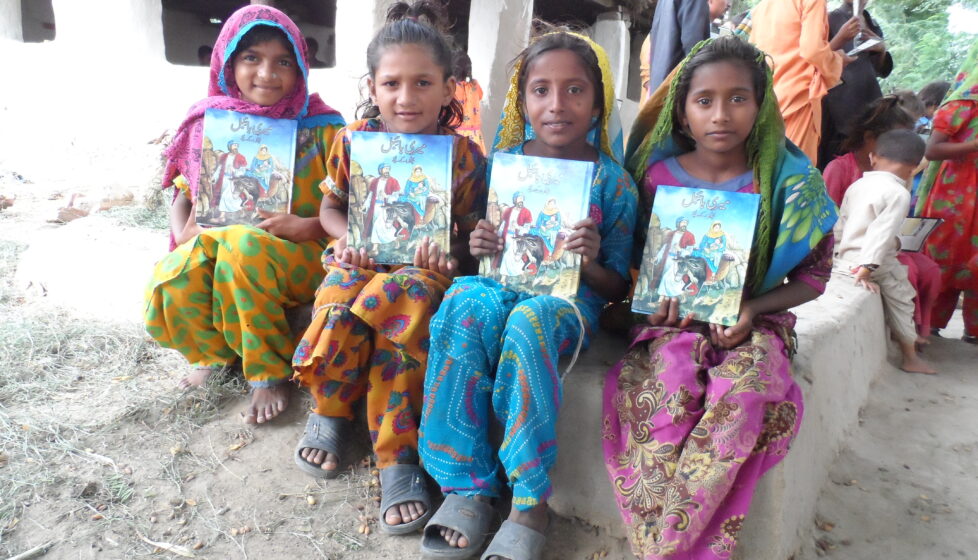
[[190, 25], [37, 20]]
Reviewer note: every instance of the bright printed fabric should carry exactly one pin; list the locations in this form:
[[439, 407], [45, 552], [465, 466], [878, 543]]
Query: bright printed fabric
[[492, 348], [369, 338], [223, 294], [689, 429], [952, 194], [688, 432], [469, 94], [494, 356], [369, 334]]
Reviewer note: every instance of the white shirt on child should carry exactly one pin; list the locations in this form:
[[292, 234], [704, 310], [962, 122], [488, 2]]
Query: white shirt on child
[[870, 217]]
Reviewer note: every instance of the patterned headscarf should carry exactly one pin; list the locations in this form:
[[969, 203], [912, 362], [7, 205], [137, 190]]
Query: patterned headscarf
[[183, 155], [795, 211], [965, 84], [607, 136], [965, 88]]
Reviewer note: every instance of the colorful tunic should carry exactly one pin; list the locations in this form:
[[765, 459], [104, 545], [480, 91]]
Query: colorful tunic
[[469, 94], [689, 429], [954, 197], [369, 330], [223, 294]]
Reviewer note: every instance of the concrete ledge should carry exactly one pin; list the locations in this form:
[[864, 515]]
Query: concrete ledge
[[842, 348]]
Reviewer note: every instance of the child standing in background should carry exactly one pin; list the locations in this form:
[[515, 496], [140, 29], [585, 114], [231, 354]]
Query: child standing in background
[[869, 221], [368, 339], [468, 93], [221, 293]]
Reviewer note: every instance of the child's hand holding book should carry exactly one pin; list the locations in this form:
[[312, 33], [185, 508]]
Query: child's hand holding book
[[483, 241], [430, 256]]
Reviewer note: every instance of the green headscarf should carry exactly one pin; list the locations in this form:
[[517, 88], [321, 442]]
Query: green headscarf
[[795, 211]]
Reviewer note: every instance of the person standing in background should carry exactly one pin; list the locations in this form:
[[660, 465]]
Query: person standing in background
[[949, 190], [468, 93], [676, 26], [859, 87], [795, 33]]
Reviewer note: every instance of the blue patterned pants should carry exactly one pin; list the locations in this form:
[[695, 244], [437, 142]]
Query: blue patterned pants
[[495, 351]]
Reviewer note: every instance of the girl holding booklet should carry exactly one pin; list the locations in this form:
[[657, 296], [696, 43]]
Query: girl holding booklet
[[695, 413], [369, 333], [494, 351], [221, 294]]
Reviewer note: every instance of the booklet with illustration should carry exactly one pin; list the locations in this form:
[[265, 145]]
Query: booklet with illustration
[[400, 193], [915, 231], [246, 164], [533, 202], [697, 250]]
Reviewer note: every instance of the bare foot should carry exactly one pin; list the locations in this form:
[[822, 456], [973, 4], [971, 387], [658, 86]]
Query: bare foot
[[916, 365], [198, 377], [535, 518], [267, 403], [453, 537], [326, 460], [404, 513]]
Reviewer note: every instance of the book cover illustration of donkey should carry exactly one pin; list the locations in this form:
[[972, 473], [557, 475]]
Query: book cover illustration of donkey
[[400, 192], [247, 162], [533, 202], [697, 250]]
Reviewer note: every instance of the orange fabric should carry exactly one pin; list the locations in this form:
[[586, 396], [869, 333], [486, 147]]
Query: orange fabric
[[795, 33], [368, 339], [469, 94], [644, 62]]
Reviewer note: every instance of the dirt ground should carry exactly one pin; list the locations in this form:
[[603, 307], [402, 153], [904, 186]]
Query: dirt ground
[[906, 486], [102, 457]]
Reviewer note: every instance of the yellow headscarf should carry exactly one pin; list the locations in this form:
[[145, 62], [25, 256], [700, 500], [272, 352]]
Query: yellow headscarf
[[511, 127]]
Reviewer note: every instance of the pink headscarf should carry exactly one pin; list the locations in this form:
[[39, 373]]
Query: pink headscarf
[[183, 155]]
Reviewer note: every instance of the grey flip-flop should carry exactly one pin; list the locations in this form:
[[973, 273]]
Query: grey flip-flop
[[467, 516], [400, 484], [516, 542], [325, 433]]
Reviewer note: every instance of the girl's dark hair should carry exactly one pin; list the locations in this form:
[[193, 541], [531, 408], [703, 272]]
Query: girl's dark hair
[[882, 115], [933, 93], [556, 38], [723, 49], [262, 34], [462, 65], [418, 23]]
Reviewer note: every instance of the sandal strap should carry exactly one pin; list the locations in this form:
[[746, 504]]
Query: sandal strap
[[326, 433], [516, 542], [401, 484], [467, 516]]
